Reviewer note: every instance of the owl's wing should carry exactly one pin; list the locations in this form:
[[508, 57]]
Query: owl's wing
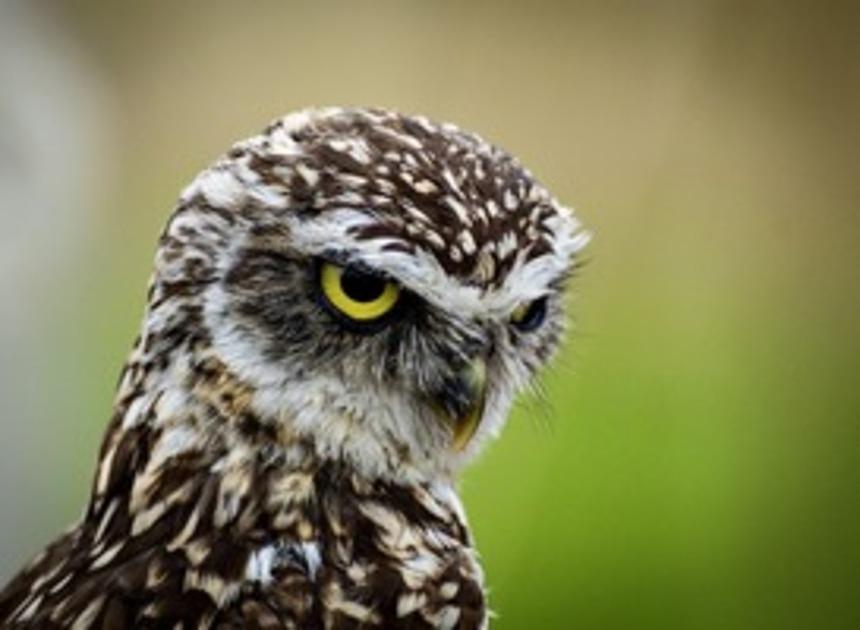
[[154, 588], [166, 547]]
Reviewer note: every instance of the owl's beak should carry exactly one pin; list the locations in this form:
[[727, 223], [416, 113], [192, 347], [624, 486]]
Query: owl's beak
[[461, 402]]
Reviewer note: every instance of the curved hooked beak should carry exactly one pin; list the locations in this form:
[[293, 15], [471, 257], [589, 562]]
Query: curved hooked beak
[[460, 403]]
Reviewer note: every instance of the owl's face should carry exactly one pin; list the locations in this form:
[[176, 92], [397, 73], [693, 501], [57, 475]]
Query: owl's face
[[382, 285]]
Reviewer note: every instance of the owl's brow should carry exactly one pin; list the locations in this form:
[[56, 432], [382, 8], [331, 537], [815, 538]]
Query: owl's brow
[[352, 258]]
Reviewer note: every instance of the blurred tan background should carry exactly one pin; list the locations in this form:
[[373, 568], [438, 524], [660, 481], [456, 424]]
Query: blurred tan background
[[698, 465]]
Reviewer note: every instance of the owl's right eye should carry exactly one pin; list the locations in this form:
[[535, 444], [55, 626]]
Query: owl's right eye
[[357, 295]]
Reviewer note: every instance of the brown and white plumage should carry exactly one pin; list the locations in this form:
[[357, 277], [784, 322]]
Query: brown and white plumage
[[273, 461]]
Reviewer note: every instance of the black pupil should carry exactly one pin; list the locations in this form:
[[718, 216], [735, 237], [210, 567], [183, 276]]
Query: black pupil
[[361, 287], [534, 315]]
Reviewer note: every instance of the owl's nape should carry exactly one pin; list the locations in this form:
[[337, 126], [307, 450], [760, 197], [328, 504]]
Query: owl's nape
[[342, 311]]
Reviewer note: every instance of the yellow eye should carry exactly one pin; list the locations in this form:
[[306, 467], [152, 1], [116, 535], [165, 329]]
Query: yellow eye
[[360, 296], [528, 316]]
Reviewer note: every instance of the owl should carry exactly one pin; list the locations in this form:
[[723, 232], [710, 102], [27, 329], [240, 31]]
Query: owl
[[342, 311]]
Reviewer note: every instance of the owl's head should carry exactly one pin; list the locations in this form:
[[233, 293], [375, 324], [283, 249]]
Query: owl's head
[[379, 285]]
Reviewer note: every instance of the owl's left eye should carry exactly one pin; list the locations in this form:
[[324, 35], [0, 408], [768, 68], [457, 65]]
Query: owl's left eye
[[528, 316], [359, 296]]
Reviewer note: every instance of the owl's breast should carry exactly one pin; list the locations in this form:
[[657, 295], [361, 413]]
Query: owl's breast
[[374, 554]]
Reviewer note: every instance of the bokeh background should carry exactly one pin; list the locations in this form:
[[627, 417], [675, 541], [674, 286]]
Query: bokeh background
[[696, 466]]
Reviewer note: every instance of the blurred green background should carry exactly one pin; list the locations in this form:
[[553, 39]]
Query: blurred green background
[[697, 464]]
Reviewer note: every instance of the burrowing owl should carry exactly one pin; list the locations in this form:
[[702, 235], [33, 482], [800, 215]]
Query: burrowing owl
[[341, 313]]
